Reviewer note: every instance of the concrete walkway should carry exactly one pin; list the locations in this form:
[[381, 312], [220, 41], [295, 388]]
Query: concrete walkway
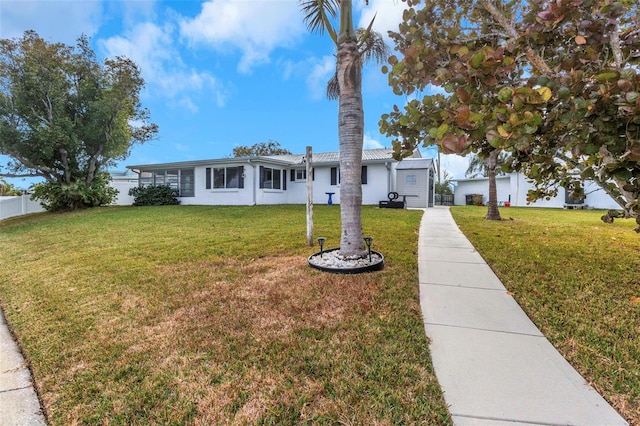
[[19, 405], [494, 365]]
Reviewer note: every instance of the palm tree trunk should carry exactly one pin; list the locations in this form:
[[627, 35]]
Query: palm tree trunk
[[492, 163], [350, 133]]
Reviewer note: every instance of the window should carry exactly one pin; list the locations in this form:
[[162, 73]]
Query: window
[[335, 175], [187, 183], [178, 179], [145, 178], [271, 178], [298, 175], [225, 177], [411, 180]]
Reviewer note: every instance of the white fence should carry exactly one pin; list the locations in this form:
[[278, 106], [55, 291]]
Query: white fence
[[17, 206]]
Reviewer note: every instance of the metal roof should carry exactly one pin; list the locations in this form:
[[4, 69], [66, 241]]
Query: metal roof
[[415, 163], [368, 156]]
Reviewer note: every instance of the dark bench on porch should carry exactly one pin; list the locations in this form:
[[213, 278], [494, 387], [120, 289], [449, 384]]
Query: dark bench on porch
[[392, 203]]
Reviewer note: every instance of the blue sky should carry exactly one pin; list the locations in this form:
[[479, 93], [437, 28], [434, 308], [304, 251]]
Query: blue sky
[[221, 73]]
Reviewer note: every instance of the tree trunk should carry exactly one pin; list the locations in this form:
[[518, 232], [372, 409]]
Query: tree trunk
[[492, 162], [350, 133]]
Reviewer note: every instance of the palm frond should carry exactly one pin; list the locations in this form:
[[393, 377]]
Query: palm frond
[[333, 88], [372, 46], [318, 15]]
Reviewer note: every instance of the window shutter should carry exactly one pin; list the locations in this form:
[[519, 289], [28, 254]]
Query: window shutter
[[334, 176], [364, 175], [284, 180], [293, 175], [240, 176], [208, 177], [261, 176], [313, 173]]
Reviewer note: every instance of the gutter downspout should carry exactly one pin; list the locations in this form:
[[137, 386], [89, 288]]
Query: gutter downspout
[[388, 166]]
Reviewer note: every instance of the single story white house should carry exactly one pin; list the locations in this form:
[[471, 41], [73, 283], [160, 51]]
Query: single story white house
[[513, 188], [281, 179]]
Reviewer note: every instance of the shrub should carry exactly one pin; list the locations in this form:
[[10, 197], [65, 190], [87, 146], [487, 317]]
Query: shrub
[[154, 195], [61, 197]]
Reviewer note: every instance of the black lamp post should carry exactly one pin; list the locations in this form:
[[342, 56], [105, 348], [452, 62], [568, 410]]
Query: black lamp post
[[368, 240], [321, 241]]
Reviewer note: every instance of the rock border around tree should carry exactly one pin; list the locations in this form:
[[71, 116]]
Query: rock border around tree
[[329, 261]]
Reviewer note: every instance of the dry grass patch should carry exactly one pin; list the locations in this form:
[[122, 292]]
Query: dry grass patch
[[199, 315]]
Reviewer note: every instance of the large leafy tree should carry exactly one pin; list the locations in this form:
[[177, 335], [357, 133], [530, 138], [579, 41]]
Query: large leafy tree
[[555, 83], [353, 49], [65, 117], [260, 149]]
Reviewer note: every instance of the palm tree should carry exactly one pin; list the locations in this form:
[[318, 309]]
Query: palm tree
[[353, 49], [486, 165]]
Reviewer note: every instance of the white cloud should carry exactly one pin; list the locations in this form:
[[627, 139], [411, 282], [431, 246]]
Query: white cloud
[[152, 48], [388, 15], [455, 165], [57, 21], [254, 27], [371, 143], [315, 71], [318, 76]]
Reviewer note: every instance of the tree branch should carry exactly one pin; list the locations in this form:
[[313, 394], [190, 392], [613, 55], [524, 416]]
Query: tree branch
[[614, 42], [536, 60], [618, 198]]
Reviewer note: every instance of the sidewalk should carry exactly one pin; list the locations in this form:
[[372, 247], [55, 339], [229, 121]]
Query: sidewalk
[[19, 405], [494, 365]]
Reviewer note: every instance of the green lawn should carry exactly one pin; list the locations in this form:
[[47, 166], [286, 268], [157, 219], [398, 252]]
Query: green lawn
[[578, 279], [210, 315]]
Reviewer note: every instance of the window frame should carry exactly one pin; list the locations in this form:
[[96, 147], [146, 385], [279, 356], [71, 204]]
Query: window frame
[[298, 175], [174, 178], [212, 174], [267, 174]]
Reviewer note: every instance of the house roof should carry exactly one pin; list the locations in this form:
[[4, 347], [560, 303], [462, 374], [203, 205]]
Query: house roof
[[369, 156], [415, 163]]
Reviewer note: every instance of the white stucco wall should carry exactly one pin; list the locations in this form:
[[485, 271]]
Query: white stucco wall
[[481, 186], [515, 186], [380, 181], [598, 199], [375, 190]]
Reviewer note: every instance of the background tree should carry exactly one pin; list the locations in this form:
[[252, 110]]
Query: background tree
[[478, 167], [353, 48], [444, 186], [489, 167], [65, 117], [7, 189], [260, 149], [554, 83]]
